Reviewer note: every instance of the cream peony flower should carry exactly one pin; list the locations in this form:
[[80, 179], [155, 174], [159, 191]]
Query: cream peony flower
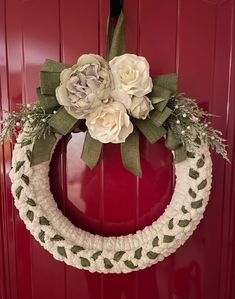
[[109, 123], [131, 75], [84, 85], [140, 107]]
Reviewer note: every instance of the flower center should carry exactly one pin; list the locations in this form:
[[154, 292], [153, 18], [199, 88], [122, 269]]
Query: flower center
[[127, 74]]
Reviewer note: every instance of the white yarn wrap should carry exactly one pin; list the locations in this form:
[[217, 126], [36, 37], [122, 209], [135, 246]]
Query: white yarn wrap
[[39, 190]]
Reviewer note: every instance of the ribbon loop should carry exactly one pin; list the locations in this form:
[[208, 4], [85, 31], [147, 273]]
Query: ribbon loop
[[50, 76], [63, 122], [149, 129], [47, 102]]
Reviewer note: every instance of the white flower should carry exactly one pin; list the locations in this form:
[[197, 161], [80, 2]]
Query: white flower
[[84, 85], [131, 75], [109, 123], [140, 107]]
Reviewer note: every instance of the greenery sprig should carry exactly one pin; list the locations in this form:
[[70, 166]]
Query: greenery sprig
[[189, 123], [34, 115]]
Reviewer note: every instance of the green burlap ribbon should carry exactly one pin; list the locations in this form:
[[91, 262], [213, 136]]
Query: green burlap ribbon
[[164, 87]]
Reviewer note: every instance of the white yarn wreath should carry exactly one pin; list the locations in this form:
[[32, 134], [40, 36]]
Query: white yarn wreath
[[83, 250]]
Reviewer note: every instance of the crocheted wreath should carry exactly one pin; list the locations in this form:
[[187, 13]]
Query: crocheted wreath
[[114, 101]]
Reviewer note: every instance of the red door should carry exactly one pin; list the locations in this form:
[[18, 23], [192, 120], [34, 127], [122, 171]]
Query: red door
[[194, 38]]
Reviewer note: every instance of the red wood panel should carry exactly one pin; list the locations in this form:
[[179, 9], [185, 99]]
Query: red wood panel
[[194, 38]]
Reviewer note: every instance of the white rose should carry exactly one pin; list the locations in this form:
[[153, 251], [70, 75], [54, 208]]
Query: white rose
[[84, 85], [131, 75], [140, 107], [109, 123]]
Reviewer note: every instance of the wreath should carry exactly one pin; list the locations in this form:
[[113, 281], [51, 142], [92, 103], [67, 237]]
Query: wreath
[[114, 101]]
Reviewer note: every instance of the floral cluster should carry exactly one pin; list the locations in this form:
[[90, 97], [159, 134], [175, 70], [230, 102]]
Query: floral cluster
[[107, 95]]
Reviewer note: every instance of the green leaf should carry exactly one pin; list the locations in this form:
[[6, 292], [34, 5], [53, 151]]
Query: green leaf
[[76, 248], [155, 241], [192, 193], [197, 140], [61, 250], [44, 221], [202, 185], [200, 163], [118, 255], [96, 255], [152, 255], [31, 202], [19, 164], [197, 204], [138, 253], [25, 179], [191, 155], [29, 155], [18, 191], [170, 224], [130, 265], [57, 238], [168, 239], [194, 174], [41, 236], [85, 262], [184, 210], [30, 215], [184, 223], [91, 151], [107, 263]]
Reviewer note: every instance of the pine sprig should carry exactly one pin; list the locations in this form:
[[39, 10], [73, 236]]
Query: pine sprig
[[36, 118], [188, 122]]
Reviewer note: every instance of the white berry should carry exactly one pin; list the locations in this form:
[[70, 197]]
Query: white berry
[[206, 125], [28, 105], [188, 128], [212, 137], [184, 115], [17, 124], [54, 111], [43, 120], [203, 134], [178, 121], [182, 132], [176, 106]]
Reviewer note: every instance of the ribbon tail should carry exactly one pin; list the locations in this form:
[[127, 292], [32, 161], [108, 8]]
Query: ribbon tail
[[180, 154], [131, 154], [42, 149], [91, 151]]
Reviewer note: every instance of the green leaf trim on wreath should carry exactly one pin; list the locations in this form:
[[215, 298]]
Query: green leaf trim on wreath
[[19, 164], [196, 204], [96, 255], [138, 253], [84, 262], [76, 248], [152, 255], [168, 239], [130, 265], [30, 215], [44, 221], [202, 185], [18, 191], [61, 250], [107, 263], [57, 238], [41, 236], [118, 255], [31, 202]]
